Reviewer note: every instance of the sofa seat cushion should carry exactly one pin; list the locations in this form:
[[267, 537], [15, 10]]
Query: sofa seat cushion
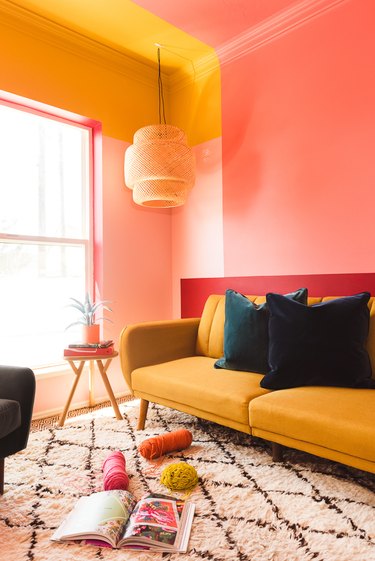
[[10, 416], [194, 381], [339, 419]]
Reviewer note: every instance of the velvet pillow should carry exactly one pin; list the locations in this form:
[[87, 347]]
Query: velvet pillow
[[320, 345], [246, 332]]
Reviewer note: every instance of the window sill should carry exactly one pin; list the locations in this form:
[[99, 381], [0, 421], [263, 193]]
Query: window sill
[[51, 371]]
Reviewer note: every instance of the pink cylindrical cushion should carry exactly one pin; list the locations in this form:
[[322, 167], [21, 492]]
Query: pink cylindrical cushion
[[114, 472]]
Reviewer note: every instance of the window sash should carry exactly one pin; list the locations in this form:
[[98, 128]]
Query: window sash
[[12, 354]]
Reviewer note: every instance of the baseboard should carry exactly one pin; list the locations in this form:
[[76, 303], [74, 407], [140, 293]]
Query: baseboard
[[58, 410]]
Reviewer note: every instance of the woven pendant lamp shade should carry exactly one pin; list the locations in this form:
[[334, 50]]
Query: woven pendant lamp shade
[[160, 166]]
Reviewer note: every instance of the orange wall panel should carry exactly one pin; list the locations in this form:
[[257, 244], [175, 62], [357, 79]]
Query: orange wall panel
[[196, 107], [36, 68]]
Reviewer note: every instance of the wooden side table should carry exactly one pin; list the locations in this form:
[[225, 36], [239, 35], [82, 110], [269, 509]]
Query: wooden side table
[[103, 362]]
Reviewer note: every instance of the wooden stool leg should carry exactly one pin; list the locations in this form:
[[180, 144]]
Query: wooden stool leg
[[77, 372], [91, 383], [143, 407], [102, 370]]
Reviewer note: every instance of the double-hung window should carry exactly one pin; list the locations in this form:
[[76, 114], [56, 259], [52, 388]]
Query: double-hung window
[[45, 232]]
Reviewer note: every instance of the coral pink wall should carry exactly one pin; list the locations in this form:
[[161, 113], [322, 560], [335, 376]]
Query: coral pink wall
[[298, 119], [133, 267], [136, 247], [136, 251], [197, 227]]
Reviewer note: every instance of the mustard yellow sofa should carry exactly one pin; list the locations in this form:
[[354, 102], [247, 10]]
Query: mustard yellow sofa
[[172, 363]]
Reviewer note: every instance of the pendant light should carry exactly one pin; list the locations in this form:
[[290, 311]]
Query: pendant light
[[159, 165]]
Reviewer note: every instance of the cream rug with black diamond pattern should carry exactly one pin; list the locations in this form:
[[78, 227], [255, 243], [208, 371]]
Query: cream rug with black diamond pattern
[[247, 507]]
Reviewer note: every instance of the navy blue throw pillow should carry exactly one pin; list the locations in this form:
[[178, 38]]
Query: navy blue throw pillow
[[320, 345], [246, 332]]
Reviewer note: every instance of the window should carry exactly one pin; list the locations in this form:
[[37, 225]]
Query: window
[[45, 226]]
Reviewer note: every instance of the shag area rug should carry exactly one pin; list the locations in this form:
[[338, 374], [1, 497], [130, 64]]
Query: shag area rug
[[248, 508]]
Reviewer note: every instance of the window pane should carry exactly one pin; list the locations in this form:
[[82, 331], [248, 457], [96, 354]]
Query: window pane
[[43, 176], [44, 193], [36, 282]]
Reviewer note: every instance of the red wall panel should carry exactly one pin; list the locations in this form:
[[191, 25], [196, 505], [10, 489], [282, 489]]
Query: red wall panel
[[194, 292]]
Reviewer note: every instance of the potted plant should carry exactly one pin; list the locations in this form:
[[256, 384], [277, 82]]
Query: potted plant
[[88, 309]]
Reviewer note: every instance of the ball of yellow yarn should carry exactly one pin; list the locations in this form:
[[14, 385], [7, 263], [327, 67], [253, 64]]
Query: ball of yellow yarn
[[179, 477]]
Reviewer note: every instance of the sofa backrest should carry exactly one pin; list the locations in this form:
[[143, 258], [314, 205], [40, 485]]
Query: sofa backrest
[[210, 340]]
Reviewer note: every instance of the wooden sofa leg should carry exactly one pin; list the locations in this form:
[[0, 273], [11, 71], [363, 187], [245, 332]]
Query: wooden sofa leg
[[2, 461], [277, 452], [143, 406]]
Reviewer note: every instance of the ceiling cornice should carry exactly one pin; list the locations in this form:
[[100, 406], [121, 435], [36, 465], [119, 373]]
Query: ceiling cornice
[[75, 43], [44, 29], [254, 38], [197, 70], [272, 28]]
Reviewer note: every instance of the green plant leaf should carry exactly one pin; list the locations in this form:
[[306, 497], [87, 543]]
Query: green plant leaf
[[88, 309]]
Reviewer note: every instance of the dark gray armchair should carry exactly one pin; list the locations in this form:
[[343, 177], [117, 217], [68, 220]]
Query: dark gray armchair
[[17, 392]]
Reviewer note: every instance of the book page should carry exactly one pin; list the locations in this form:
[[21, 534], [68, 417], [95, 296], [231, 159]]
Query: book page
[[101, 515], [155, 520]]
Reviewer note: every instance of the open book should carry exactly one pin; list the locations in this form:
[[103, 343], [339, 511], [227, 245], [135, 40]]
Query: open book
[[116, 519]]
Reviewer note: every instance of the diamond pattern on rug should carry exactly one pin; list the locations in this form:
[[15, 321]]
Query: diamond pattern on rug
[[248, 508]]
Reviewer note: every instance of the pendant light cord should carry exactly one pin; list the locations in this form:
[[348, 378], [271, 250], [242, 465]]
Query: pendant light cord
[[161, 94]]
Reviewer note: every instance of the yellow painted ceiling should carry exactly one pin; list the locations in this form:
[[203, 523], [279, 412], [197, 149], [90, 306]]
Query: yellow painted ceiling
[[189, 31], [125, 27]]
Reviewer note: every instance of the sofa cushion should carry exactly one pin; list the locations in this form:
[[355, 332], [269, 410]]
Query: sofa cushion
[[10, 416], [338, 419], [320, 345], [193, 381], [246, 332]]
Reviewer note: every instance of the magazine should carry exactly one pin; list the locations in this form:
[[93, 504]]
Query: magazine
[[101, 345], [115, 519]]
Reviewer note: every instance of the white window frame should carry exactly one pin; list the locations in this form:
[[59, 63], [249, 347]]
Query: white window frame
[[30, 106]]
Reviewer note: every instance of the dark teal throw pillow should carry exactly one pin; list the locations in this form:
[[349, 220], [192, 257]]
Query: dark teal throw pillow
[[320, 345], [246, 332]]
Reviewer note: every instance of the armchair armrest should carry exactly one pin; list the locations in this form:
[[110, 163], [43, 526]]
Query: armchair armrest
[[143, 344], [17, 383]]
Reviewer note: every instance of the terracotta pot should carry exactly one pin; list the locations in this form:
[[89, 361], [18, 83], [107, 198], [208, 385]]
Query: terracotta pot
[[91, 333]]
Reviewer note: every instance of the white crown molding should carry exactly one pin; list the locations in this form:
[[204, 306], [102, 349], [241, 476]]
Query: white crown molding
[[252, 39], [25, 21], [272, 28], [185, 76], [43, 29]]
